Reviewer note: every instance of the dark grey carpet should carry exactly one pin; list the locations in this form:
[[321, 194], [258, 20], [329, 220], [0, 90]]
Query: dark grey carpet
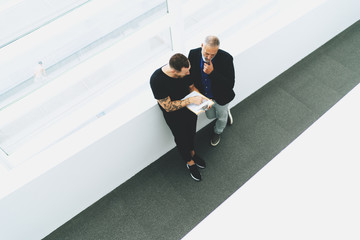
[[163, 202]]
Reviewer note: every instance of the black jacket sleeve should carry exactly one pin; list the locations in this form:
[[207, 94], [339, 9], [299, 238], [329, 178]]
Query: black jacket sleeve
[[223, 78]]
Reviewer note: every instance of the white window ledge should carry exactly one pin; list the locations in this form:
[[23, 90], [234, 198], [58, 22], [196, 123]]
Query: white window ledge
[[22, 171]]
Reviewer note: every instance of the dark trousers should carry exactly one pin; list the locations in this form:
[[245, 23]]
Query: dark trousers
[[182, 124]]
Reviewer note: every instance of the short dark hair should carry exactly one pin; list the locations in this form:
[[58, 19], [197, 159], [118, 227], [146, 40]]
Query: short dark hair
[[178, 61]]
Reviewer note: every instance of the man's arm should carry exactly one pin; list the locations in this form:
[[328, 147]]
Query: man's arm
[[193, 88], [171, 106], [226, 76]]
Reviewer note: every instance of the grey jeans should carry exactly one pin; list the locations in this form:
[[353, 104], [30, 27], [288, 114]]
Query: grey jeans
[[221, 114]]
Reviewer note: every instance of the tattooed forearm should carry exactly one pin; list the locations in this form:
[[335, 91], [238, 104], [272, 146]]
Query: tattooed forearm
[[176, 105], [171, 106]]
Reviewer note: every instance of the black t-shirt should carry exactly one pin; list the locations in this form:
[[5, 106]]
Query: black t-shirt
[[164, 86]]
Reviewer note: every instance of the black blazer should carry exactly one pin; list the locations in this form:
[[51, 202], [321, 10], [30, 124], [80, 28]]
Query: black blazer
[[222, 78]]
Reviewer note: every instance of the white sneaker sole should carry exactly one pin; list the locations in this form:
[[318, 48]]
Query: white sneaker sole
[[230, 120], [214, 144], [196, 179]]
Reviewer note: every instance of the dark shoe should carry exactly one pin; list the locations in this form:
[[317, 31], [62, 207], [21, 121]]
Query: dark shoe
[[199, 161], [215, 139], [230, 120], [194, 172]]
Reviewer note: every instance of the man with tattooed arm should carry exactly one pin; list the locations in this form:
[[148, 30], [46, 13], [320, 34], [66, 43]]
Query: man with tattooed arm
[[170, 84]]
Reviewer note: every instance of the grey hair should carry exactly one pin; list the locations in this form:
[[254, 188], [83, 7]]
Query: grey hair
[[212, 41]]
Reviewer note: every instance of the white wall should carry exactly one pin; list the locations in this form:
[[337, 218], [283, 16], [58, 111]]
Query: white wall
[[34, 209]]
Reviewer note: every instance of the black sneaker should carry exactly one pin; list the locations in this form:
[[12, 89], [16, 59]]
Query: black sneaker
[[215, 139], [194, 172], [230, 119], [199, 161]]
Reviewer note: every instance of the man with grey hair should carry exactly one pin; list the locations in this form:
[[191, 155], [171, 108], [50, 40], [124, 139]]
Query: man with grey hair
[[214, 76]]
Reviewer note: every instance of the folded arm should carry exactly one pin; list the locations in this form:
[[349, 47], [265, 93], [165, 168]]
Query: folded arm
[[225, 77]]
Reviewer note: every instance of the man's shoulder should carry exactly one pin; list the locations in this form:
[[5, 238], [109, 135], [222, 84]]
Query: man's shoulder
[[195, 50], [157, 76], [158, 73], [224, 54]]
